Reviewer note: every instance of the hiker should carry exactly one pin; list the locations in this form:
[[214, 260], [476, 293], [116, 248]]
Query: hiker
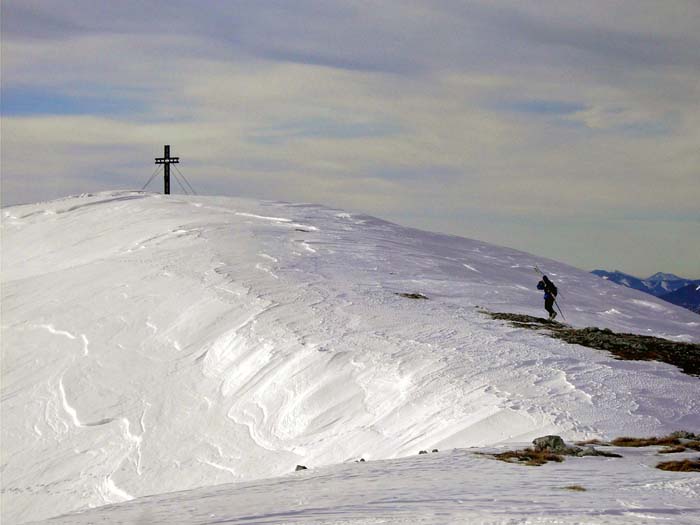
[[550, 294]]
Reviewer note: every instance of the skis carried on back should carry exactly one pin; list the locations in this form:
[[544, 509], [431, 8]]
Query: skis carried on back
[[541, 274]]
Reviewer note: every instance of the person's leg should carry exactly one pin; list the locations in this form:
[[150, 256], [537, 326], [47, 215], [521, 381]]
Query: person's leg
[[548, 305]]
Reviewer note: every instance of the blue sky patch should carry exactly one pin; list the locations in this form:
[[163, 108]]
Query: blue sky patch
[[32, 101], [543, 107], [650, 128], [321, 127]]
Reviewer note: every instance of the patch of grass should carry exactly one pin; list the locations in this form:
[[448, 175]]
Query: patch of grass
[[644, 442], [672, 450], [692, 445], [685, 356], [575, 488], [528, 456], [686, 465]]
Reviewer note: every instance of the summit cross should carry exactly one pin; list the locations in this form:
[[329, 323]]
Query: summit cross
[[167, 160]]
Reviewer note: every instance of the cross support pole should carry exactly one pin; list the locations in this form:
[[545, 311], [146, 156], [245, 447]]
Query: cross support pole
[[167, 160]]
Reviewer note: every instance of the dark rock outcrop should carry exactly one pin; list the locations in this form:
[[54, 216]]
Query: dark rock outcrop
[[556, 445], [684, 434], [551, 443], [413, 295], [685, 356]]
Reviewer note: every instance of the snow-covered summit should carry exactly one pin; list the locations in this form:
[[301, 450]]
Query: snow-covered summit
[[158, 343], [661, 276]]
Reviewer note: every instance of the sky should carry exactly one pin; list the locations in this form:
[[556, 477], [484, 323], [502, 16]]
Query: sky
[[567, 129]]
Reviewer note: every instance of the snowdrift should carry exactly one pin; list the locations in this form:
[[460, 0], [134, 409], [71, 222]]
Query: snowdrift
[[160, 343]]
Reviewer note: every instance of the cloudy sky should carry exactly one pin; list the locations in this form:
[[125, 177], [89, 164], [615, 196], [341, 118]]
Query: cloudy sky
[[566, 129]]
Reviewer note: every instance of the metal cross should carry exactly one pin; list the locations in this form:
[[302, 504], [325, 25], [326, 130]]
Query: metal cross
[[167, 160]]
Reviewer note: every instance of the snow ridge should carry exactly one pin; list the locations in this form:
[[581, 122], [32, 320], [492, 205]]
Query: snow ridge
[[160, 343]]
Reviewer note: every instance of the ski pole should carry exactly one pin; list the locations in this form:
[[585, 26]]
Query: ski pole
[[555, 299], [559, 308]]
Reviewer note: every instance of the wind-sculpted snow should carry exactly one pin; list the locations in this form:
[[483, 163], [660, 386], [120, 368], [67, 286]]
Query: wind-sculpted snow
[[451, 487], [152, 344]]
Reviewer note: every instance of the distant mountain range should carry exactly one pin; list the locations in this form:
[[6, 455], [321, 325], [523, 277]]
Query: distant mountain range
[[687, 297], [666, 286]]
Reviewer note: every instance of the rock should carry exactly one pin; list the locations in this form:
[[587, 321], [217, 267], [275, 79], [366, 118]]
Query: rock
[[361, 460], [435, 450], [684, 434], [550, 443], [423, 452], [300, 467], [587, 451], [556, 445], [590, 451], [412, 295], [685, 356]]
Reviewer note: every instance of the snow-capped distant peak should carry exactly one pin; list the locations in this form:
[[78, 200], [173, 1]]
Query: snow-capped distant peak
[[666, 286], [660, 276]]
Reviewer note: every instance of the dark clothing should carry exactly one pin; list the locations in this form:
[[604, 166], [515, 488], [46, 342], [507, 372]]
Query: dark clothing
[[548, 305], [549, 287], [550, 294]]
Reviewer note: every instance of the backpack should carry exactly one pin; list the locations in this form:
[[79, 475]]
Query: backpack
[[549, 286]]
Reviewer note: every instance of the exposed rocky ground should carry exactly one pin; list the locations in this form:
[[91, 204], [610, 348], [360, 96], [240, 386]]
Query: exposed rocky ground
[[685, 465], [685, 356], [549, 448], [553, 448]]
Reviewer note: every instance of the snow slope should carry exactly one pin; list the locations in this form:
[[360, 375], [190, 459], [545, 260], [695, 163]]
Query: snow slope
[[458, 486], [159, 343]]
